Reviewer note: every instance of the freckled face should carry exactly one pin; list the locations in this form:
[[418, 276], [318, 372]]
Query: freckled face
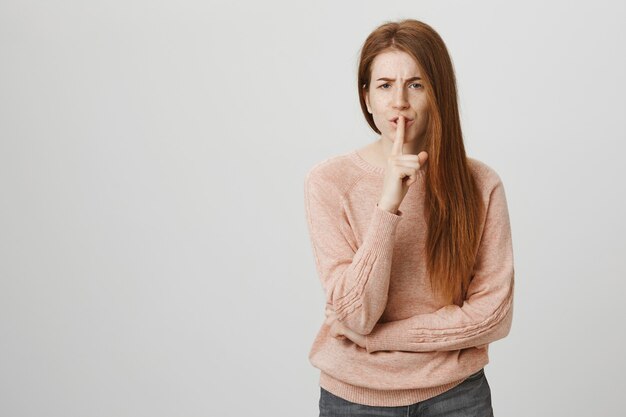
[[397, 87]]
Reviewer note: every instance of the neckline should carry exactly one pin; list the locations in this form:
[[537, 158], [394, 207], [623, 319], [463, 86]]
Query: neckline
[[368, 166]]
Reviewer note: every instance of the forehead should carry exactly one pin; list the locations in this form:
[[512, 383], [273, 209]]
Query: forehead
[[392, 63]]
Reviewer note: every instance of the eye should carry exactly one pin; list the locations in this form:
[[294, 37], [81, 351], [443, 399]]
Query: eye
[[383, 85]]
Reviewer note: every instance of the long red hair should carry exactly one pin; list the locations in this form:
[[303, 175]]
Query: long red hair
[[453, 204]]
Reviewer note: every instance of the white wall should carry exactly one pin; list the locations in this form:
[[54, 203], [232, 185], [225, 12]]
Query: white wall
[[154, 257]]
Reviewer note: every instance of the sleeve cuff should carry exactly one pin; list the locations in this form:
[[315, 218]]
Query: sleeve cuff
[[373, 344], [381, 234]]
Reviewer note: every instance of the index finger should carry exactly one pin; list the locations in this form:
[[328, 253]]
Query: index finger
[[397, 144]]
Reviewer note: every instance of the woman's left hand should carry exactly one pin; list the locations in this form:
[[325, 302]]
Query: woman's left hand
[[338, 330]]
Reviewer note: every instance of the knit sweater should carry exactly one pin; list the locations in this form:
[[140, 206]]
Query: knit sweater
[[372, 267]]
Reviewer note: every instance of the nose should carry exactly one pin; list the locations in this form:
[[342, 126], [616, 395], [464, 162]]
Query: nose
[[399, 99]]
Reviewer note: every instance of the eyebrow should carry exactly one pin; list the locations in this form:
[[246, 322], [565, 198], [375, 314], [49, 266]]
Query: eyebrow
[[393, 79]]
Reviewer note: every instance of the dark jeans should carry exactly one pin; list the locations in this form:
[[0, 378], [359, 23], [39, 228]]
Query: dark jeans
[[471, 398]]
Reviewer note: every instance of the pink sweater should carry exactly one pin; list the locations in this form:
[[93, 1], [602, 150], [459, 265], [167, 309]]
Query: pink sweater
[[371, 264]]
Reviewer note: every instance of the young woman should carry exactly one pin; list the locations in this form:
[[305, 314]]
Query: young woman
[[412, 243]]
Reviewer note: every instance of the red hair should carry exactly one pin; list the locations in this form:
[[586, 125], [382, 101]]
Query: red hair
[[453, 204]]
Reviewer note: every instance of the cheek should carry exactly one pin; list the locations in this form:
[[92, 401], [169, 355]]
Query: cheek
[[381, 122], [376, 104]]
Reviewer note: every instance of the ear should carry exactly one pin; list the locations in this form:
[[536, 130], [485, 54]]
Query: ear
[[367, 101]]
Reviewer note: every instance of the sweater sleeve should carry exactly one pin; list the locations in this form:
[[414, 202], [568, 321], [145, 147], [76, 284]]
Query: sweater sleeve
[[486, 314], [355, 278]]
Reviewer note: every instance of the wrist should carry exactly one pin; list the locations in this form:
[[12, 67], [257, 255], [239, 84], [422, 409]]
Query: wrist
[[392, 208]]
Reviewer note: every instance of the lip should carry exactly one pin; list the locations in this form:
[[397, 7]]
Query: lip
[[406, 124], [395, 118]]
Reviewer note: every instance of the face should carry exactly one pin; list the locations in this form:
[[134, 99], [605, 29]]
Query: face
[[397, 87]]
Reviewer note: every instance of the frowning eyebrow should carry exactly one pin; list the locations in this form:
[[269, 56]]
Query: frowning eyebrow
[[393, 79]]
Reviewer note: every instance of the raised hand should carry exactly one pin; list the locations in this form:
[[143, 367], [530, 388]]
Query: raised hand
[[401, 171]]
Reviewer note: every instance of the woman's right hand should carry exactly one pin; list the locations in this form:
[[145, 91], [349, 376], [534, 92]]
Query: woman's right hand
[[401, 172]]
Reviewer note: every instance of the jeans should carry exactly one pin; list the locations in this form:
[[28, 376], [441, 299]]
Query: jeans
[[471, 398]]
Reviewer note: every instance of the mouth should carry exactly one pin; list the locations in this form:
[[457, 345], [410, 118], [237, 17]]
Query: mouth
[[407, 123], [395, 118]]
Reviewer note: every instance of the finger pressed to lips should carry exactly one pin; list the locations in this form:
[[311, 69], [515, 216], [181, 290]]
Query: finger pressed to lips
[[406, 124], [399, 141]]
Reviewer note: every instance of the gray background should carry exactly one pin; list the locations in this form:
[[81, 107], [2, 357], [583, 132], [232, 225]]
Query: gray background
[[155, 259]]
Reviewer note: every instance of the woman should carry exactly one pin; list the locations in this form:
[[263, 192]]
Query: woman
[[412, 242]]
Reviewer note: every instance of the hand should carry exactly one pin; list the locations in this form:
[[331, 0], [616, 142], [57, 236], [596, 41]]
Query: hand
[[340, 331], [401, 171]]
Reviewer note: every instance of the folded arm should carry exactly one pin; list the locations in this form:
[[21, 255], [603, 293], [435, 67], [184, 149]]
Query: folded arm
[[486, 314]]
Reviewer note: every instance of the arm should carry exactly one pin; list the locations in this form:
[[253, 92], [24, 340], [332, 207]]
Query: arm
[[355, 279], [487, 313]]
